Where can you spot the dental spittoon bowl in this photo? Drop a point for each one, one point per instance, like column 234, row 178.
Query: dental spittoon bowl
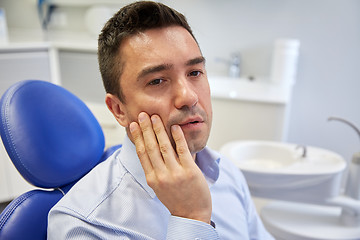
column 286, row 171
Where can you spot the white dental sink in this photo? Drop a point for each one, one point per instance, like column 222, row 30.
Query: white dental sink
column 280, row 171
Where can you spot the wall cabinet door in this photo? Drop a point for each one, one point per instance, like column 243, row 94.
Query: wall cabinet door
column 17, row 66
column 80, row 74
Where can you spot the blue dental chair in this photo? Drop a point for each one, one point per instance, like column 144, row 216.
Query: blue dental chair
column 53, row 140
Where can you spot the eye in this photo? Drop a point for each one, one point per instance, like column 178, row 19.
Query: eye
column 195, row 73
column 156, row 81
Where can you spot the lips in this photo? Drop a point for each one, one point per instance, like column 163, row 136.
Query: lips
column 191, row 121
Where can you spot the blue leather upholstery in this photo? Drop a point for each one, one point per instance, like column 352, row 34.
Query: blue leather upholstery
column 53, row 140
column 26, row 216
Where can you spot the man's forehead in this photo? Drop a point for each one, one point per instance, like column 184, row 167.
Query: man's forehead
column 172, row 33
column 152, row 43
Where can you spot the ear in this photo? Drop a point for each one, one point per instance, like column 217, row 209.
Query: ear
column 117, row 108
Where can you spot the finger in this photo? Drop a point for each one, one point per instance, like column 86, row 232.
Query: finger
column 140, row 147
column 182, row 149
column 165, row 146
column 151, row 143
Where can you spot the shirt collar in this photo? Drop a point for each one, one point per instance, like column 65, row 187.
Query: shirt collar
column 207, row 160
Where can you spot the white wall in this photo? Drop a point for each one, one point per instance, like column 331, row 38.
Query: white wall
column 328, row 74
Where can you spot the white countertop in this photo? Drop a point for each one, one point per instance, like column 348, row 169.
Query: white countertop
column 23, row 39
column 242, row 89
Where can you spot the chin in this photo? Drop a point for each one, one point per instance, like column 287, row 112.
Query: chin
column 196, row 142
column 195, row 147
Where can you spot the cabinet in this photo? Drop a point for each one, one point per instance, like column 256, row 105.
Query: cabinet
column 248, row 121
column 80, row 74
column 16, row 65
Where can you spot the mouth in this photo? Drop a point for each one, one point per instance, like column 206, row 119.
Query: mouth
column 192, row 121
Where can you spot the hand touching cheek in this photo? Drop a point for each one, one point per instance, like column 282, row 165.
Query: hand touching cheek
column 172, row 174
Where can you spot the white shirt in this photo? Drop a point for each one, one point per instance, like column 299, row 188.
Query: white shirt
column 113, row 201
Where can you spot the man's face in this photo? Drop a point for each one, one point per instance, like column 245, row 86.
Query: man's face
column 164, row 74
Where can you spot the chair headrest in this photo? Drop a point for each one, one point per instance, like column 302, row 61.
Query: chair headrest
column 50, row 135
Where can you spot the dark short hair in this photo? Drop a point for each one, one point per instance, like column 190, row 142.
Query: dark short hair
column 130, row 20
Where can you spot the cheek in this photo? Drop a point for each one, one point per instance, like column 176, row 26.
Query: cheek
column 205, row 99
column 150, row 106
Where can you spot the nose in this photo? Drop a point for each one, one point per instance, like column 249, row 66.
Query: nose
column 185, row 94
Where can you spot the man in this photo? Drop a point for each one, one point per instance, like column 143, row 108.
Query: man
column 163, row 183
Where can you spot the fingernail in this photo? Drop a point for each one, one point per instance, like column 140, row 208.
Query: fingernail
column 174, row 127
column 142, row 117
column 132, row 127
column 154, row 119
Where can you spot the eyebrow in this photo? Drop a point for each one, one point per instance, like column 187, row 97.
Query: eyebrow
column 162, row 67
column 154, row 69
column 195, row 61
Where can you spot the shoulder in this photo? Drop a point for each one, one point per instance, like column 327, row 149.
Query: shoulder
column 93, row 188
